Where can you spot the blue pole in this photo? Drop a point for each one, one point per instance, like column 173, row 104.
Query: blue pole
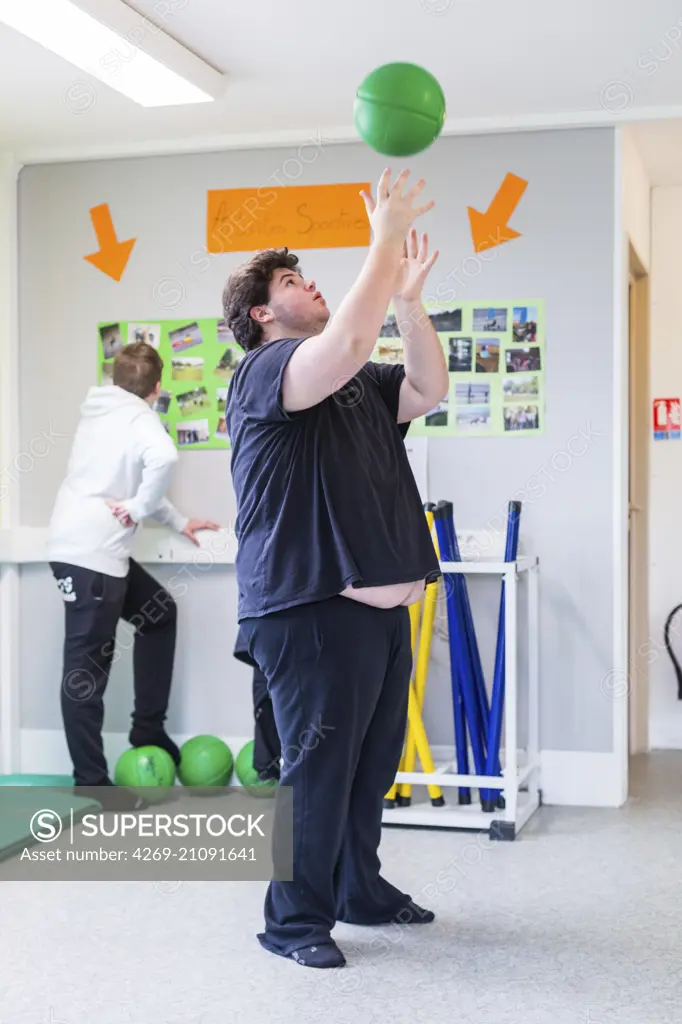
column 481, row 694
column 457, row 668
column 490, row 797
column 458, row 638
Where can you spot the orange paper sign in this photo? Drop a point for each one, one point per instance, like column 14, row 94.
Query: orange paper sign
column 298, row 216
column 491, row 228
column 112, row 256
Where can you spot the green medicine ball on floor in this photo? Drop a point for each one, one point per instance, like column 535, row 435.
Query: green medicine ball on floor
column 143, row 768
column 399, row 109
column 248, row 776
column 205, row 761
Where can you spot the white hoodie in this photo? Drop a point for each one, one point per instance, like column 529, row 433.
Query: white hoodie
column 120, row 451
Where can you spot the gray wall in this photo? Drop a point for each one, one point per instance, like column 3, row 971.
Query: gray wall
column 565, row 256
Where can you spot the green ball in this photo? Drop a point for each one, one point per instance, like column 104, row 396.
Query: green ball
column 205, row 761
column 143, row 767
column 399, row 109
column 248, row 776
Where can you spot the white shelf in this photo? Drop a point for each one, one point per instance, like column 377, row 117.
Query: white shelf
column 28, row 544
column 464, row 816
column 520, row 777
column 489, row 566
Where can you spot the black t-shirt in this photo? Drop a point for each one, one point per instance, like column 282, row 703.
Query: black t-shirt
column 325, row 497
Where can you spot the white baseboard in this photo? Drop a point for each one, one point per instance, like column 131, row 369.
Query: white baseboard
column 581, row 779
column 665, row 733
column 568, row 778
column 44, row 751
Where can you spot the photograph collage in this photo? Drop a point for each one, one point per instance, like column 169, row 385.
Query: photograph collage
column 495, row 357
column 496, row 361
column 199, row 358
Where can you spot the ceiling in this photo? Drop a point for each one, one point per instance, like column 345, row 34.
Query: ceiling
column 292, row 69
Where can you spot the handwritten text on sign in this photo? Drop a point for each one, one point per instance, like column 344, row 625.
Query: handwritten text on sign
column 298, row 216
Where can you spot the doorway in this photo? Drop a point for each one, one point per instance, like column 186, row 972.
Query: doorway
column 638, row 475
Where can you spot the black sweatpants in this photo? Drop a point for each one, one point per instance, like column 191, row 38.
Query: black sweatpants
column 94, row 602
column 338, row 674
column 267, row 749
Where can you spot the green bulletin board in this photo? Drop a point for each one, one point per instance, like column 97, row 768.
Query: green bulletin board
column 496, row 359
column 495, row 354
column 199, row 358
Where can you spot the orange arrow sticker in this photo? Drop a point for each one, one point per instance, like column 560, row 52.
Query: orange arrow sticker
column 113, row 255
column 490, row 228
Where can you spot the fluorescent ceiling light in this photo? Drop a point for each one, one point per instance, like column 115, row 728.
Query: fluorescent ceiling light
column 116, row 45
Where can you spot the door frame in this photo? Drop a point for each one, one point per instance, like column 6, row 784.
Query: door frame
column 638, row 500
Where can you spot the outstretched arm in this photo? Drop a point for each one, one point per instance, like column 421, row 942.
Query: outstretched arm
column 168, row 515
column 426, row 373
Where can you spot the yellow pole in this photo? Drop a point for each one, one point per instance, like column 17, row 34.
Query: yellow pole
column 430, row 600
column 422, row 665
column 414, row 632
column 422, row 742
column 417, row 740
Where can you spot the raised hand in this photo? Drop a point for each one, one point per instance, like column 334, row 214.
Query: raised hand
column 393, row 213
column 414, row 267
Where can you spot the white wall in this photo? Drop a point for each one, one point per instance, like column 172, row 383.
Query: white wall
column 565, row 255
column 665, row 496
column 636, row 199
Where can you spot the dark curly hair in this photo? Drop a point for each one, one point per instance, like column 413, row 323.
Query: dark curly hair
column 249, row 286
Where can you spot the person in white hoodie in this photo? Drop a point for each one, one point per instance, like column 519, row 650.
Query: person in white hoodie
column 119, row 469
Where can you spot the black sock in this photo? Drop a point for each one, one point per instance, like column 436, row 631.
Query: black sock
column 325, row 955
column 414, row 914
column 141, row 736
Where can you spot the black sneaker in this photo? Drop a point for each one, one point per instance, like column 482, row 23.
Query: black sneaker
column 413, row 914
column 328, row 955
column 324, row 954
column 141, row 737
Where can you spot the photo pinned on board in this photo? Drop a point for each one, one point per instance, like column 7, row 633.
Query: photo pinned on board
column 110, row 337
column 516, row 388
column 107, row 373
column 493, row 320
column 229, row 361
column 523, row 360
column 474, row 419
column 389, row 327
column 192, row 432
column 444, row 320
column 221, row 398
column 525, row 324
column 521, row 417
column 472, row 394
column 149, row 333
column 191, row 402
column 185, row 337
column 225, row 335
column 389, row 350
column 487, row 357
column 438, row 416
column 162, row 403
column 460, row 355
column 221, row 429
column 188, row 369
